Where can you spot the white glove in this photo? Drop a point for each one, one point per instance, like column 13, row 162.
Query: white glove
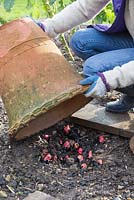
column 97, row 87
column 119, row 77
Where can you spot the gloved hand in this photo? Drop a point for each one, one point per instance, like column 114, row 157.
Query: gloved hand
column 119, row 77
column 98, row 85
column 40, row 24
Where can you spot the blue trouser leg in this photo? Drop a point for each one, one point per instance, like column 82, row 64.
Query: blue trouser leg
column 90, row 42
column 102, row 51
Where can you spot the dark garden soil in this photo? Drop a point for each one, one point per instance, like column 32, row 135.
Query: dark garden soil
column 68, row 162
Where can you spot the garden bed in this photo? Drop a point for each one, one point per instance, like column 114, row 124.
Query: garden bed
column 108, row 174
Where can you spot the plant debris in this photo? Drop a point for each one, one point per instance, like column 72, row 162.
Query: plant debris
column 67, row 146
column 23, row 169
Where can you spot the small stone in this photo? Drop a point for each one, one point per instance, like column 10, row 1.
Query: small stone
column 2, row 180
column 80, row 158
column 3, row 194
column 126, row 183
column 13, row 184
column 40, row 196
column 132, row 195
column 8, row 178
column 76, row 145
column 117, row 198
column 12, row 194
column 104, row 198
column 40, row 186
column 70, row 161
column 120, row 187
column 58, row 170
column 127, row 193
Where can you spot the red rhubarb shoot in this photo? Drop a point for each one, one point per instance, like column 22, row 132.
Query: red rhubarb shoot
column 80, row 150
column 101, row 139
column 84, row 166
column 100, row 161
column 66, row 144
column 47, row 157
column 67, row 129
column 90, row 154
column 46, row 136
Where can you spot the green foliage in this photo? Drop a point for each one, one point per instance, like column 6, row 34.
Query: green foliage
column 12, row 9
column 106, row 16
column 8, row 4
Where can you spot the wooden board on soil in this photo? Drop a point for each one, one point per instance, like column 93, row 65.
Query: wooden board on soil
column 94, row 116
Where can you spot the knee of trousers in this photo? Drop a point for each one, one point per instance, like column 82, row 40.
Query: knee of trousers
column 76, row 42
column 91, row 66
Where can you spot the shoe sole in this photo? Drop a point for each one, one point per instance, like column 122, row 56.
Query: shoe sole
column 116, row 111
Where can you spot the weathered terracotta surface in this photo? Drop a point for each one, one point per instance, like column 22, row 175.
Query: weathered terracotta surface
column 34, row 79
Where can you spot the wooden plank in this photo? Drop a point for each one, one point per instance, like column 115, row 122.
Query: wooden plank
column 95, row 116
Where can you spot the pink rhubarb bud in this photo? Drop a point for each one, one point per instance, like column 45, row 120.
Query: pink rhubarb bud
column 101, row 139
column 90, row 154
column 84, row 166
column 67, row 157
column 46, row 136
column 66, row 144
column 100, row 161
column 55, row 158
column 61, row 142
column 47, row 157
column 67, row 129
column 61, row 158
column 80, row 150
column 80, row 158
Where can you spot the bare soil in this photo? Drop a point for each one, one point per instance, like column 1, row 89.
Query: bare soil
column 23, row 171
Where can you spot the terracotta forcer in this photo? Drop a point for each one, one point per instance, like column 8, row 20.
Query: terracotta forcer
column 37, row 85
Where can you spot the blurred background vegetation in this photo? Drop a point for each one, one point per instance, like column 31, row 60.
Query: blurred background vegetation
column 38, row 9
column 12, row 9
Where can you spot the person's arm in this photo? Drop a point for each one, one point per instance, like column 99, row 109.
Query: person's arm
column 119, row 77
column 76, row 13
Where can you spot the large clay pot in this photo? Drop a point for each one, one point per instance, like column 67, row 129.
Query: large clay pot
column 37, row 85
